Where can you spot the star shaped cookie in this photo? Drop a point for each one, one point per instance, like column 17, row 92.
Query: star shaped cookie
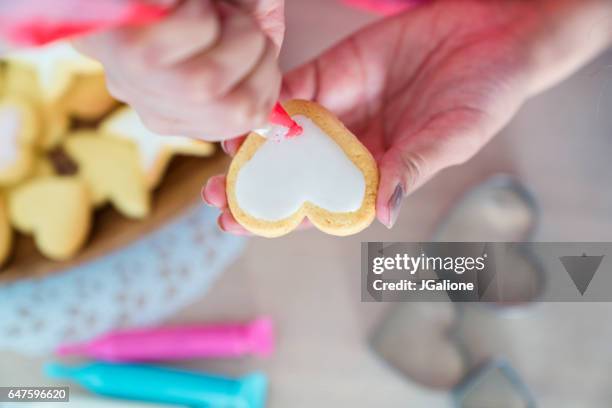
column 55, row 66
column 154, row 150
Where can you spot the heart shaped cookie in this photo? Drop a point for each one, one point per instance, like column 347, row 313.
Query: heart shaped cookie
column 154, row 150
column 19, row 131
column 56, row 210
column 110, row 169
column 324, row 174
column 6, row 234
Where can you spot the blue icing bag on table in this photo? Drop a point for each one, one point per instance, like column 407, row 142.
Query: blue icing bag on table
column 165, row 385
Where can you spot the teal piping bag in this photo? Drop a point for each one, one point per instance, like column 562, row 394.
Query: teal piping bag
column 164, row 385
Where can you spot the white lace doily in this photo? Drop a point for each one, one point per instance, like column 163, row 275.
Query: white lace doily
column 139, row 284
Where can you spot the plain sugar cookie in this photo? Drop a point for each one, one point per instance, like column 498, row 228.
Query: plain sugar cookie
column 110, row 168
column 324, row 174
column 56, row 211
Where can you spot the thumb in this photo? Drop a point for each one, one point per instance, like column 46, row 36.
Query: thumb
column 414, row 159
column 401, row 172
column 335, row 80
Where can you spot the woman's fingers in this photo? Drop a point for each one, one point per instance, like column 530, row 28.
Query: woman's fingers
column 182, row 107
column 219, row 85
column 160, row 43
column 231, row 146
column 237, row 53
column 228, row 223
column 165, row 43
column 270, row 15
column 214, row 193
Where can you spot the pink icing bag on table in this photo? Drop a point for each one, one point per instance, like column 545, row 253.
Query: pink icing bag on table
column 177, row 343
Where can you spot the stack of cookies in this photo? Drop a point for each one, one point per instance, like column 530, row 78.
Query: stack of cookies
column 67, row 148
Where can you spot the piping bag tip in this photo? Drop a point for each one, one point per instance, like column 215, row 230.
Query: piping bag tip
column 59, row 371
column 295, row 130
column 261, row 336
column 280, row 117
column 254, row 389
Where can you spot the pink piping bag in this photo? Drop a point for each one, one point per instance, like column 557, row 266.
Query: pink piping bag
column 178, row 343
column 38, row 22
column 281, row 127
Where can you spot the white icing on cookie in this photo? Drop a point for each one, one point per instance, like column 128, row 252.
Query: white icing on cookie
column 274, row 132
column 10, row 125
column 312, row 167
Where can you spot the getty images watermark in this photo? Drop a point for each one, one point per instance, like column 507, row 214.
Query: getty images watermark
column 486, row 271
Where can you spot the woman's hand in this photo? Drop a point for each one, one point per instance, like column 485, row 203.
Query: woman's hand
column 209, row 70
column 424, row 90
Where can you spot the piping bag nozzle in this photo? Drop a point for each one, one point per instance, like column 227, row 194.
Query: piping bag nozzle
column 281, row 127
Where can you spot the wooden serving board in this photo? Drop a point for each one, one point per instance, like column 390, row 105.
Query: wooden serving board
column 179, row 190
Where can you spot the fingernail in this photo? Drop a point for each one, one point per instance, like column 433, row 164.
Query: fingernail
column 220, row 224
column 224, row 146
column 231, row 228
column 203, row 195
column 395, row 204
